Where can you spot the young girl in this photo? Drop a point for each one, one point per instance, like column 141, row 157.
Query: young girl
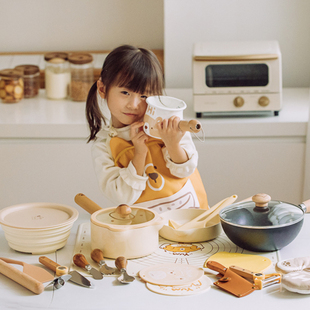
column 131, row 167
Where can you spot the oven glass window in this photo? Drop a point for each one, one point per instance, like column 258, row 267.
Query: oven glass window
column 240, row 75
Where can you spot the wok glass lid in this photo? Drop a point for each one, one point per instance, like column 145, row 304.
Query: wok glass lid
column 274, row 213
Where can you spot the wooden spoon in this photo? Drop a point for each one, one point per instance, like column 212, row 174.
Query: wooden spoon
column 201, row 220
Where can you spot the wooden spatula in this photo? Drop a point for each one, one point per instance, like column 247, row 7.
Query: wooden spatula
column 21, row 278
column 35, row 272
column 208, row 215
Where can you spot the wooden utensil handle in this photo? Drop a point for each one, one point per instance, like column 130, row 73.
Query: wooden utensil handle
column 243, row 272
column 192, row 125
column 12, row 261
column 80, row 260
column 216, row 266
column 86, row 203
column 21, row 278
column 48, row 263
column 307, row 205
column 97, row 255
column 121, row 262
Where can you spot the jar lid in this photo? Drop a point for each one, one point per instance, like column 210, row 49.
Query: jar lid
column 80, row 58
column 28, row 69
column 49, row 56
column 11, row 73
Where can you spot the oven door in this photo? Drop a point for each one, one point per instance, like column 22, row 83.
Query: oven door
column 212, row 77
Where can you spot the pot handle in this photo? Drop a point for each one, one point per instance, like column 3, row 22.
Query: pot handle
column 86, row 203
column 305, row 206
column 191, row 126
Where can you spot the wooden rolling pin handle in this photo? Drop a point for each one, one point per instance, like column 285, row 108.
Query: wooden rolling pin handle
column 97, row 255
column 80, row 260
column 192, row 125
column 21, row 278
column 86, row 203
column 48, row 263
column 121, row 262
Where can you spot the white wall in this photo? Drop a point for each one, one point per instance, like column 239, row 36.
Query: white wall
column 48, row 25
column 187, row 22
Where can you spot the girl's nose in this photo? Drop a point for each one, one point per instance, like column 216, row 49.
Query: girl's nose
column 134, row 102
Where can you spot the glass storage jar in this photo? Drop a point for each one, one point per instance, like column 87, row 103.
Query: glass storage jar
column 57, row 75
column 82, row 75
column 31, row 74
column 11, row 86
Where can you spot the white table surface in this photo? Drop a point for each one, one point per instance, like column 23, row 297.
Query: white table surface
column 109, row 294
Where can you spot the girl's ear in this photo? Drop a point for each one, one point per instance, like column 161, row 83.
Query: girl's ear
column 101, row 89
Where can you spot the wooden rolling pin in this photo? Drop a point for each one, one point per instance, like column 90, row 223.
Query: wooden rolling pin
column 192, row 125
column 21, row 278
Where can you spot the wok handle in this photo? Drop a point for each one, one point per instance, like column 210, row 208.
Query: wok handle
column 86, row 203
column 191, row 126
column 306, row 206
column 21, row 278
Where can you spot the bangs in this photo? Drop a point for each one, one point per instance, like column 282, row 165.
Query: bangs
column 140, row 77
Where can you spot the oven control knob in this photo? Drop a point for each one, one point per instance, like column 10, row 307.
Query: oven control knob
column 238, row 102
column 263, row 101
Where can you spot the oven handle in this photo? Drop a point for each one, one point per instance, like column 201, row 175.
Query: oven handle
column 237, row 57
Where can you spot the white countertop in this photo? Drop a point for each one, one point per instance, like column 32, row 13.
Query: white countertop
column 109, row 294
column 42, row 118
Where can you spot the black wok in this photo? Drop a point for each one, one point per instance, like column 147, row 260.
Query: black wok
column 263, row 225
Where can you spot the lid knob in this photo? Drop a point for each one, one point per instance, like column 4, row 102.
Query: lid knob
column 261, row 200
column 123, row 211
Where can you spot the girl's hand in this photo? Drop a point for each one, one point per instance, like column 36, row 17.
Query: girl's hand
column 171, row 135
column 169, row 131
column 139, row 139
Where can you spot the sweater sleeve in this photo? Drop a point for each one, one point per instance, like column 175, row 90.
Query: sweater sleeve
column 185, row 169
column 120, row 185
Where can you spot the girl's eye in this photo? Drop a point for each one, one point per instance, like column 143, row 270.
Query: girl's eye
column 125, row 92
column 143, row 96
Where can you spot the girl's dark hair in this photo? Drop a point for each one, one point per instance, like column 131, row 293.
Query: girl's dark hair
column 137, row 69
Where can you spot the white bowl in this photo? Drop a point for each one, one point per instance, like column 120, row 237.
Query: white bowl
column 182, row 216
column 37, row 228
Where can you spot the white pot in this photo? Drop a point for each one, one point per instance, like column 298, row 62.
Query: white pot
column 39, row 227
column 135, row 237
column 160, row 108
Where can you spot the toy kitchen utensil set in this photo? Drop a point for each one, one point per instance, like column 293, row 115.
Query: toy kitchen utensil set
column 125, row 225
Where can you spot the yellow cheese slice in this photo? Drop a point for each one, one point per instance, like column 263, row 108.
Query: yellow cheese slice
column 254, row 263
